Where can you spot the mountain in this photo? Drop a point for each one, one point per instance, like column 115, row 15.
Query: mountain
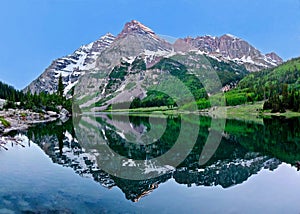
column 71, row 67
column 229, row 47
column 117, row 69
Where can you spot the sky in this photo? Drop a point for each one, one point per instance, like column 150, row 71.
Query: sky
column 35, row 32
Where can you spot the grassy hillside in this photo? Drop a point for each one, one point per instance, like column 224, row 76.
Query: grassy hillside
column 287, row 73
column 279, row 85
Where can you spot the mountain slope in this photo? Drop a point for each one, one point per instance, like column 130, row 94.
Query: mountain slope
column 287, row 73
column 71, row 67
column 177, row 76
column 279, row 85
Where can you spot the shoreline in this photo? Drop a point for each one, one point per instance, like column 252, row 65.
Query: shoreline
column 246, row 111
column 19, row 120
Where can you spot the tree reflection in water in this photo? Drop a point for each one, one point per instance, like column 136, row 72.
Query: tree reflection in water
column 245, row 149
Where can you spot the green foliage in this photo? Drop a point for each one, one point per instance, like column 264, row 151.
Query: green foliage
column 266, row 81
column 235, row 97
column 286, row 73
column 279, row 85
column 9, row 104
column 119, row 72
column 4, row 122
column 36, row 102
column 157, row 98
column 228, row 72
column 280, row 102
column 138, row 65
column 153, row 99
column 177, row 80
column 117, row 75
column 10, row 93
column 60, row 87
column 201, row 104
column 179, row 71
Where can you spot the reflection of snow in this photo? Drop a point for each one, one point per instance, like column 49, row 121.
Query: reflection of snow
column 69, row 137
column 129, row 162
column 74, row 156
column 150, row 167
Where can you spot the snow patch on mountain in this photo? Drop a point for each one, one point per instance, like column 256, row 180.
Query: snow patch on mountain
column 70, row 67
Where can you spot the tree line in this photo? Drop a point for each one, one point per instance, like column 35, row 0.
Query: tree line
column 36, row 102
column 282, row 100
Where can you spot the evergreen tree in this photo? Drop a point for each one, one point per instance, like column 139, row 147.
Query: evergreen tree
column 285, row 96
column 60, row 88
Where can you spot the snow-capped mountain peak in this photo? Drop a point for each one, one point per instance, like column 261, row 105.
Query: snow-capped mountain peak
column 71, row 67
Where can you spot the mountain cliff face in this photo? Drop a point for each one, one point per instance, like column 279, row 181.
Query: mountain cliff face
column 229, row 47
column 105, row 67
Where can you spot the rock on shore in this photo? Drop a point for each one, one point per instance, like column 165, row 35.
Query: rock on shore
column 22, row 119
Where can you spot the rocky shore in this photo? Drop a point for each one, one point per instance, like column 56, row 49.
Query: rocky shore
column 15, row 119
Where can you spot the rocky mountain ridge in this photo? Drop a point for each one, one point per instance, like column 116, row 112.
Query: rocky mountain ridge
column 136, row 40
column 229, row 47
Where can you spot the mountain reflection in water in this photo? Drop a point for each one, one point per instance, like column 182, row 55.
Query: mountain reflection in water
column 245, row 149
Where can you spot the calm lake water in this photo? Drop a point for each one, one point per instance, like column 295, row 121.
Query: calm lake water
column 78, row 167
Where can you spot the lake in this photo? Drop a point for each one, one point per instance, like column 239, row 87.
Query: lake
column 153, row 164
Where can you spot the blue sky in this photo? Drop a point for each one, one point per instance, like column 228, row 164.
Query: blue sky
column 35, row 32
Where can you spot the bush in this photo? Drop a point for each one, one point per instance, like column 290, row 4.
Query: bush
column 235, row 99
column 4, row 122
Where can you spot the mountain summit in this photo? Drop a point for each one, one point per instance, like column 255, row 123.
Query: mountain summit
column 134, row 39
column 138, row 34
column 135, row 27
